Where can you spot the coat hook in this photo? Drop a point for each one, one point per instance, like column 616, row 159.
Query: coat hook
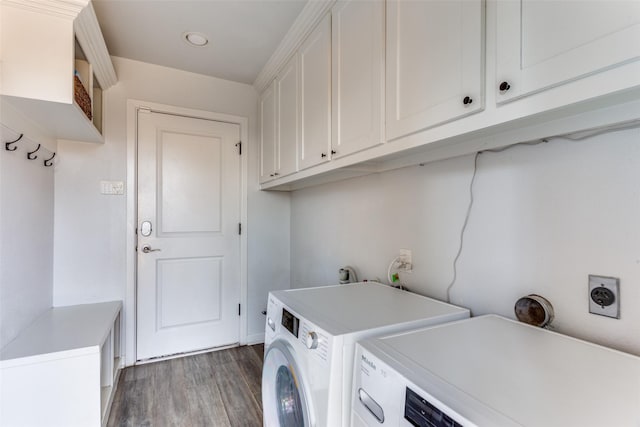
column 7, row 145
column 48, row 162
column 30, row 155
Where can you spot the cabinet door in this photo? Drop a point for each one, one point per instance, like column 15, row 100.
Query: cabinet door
column 434, row 63
column 357, row 75
column 287, row 87
column 541, row 44
column 268, row 133
column 315, row 86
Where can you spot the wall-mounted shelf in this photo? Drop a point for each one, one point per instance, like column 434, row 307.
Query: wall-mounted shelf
column 38, row 72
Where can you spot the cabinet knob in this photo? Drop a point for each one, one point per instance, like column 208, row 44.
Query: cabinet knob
column 504, row 86
column 323, row 155
column 467, row 100
column 270, row 174
column 333, row 151
column 276, row 174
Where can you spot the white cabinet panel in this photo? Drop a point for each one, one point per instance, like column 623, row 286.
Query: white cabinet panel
column 38, row 66
column 541, row 44
column 315, row 73
column 268, row 133
column 357, row 75
column 288, row 114
column 434, row 63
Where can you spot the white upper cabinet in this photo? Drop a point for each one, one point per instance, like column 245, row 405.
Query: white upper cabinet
column 357, row 75
column 389, row 83
column 434, row 63
column 288, row 114
column 38, row 52
column 315, row 91
column 268, row 136
column 542, row 44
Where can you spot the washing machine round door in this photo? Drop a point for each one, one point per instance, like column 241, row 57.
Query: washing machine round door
column 284, row 397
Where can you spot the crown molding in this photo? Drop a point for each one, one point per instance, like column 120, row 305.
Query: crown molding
column 64, row 8
column 309, row 17
column 92, row 42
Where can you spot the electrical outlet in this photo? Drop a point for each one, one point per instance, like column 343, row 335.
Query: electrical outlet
column 404, row 262
column 604, row 296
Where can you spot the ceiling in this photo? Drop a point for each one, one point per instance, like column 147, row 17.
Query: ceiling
column 242, row 33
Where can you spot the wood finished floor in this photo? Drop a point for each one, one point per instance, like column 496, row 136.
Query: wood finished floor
column 221, row 388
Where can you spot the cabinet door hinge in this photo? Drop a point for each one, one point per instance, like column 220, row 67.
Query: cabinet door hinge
column 239, row 145
column 239, row 228
column 238, row 309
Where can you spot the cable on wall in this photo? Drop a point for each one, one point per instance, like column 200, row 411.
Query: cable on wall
column 576, row 136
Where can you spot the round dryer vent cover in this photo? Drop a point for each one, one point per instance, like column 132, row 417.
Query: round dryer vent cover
column 534, row 310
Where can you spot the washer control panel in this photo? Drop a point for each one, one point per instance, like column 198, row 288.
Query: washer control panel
column 286, row 323
column 315, row 340
column 380, row 394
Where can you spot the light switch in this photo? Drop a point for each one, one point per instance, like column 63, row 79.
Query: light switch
column 112, row 188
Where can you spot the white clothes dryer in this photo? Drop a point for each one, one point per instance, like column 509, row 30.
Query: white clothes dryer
column 489, row 371
column 310, row 341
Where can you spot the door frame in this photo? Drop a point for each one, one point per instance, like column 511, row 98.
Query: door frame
column 130, row 298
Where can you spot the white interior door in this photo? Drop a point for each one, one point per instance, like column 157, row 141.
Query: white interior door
column 188, row 287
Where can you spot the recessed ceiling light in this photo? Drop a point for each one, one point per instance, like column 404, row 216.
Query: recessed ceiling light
column 195, row 39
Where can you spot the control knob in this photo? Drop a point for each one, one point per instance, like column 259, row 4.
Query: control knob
column 312, row 340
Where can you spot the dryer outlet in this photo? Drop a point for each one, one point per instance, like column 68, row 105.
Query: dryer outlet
column 604, row 296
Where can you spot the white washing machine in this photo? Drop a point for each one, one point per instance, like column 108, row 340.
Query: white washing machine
column 310, row 342
column 491, row 371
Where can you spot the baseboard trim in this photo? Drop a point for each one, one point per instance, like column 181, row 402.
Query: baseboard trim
column 255, row 338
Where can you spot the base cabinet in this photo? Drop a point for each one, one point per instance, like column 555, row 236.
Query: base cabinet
column 63, row 369
column 544, row 44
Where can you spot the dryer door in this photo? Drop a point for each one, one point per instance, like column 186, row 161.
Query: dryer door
column 284, row 396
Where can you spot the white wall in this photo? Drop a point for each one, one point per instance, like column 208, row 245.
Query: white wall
column 90, row 259
column 26, row 227
column 544, row 218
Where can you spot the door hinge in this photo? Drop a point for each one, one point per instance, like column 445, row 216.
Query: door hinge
column 239, row 228
column 238, row 309
column 239, row 145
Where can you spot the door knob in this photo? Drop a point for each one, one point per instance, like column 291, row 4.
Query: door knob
column 146, row 249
